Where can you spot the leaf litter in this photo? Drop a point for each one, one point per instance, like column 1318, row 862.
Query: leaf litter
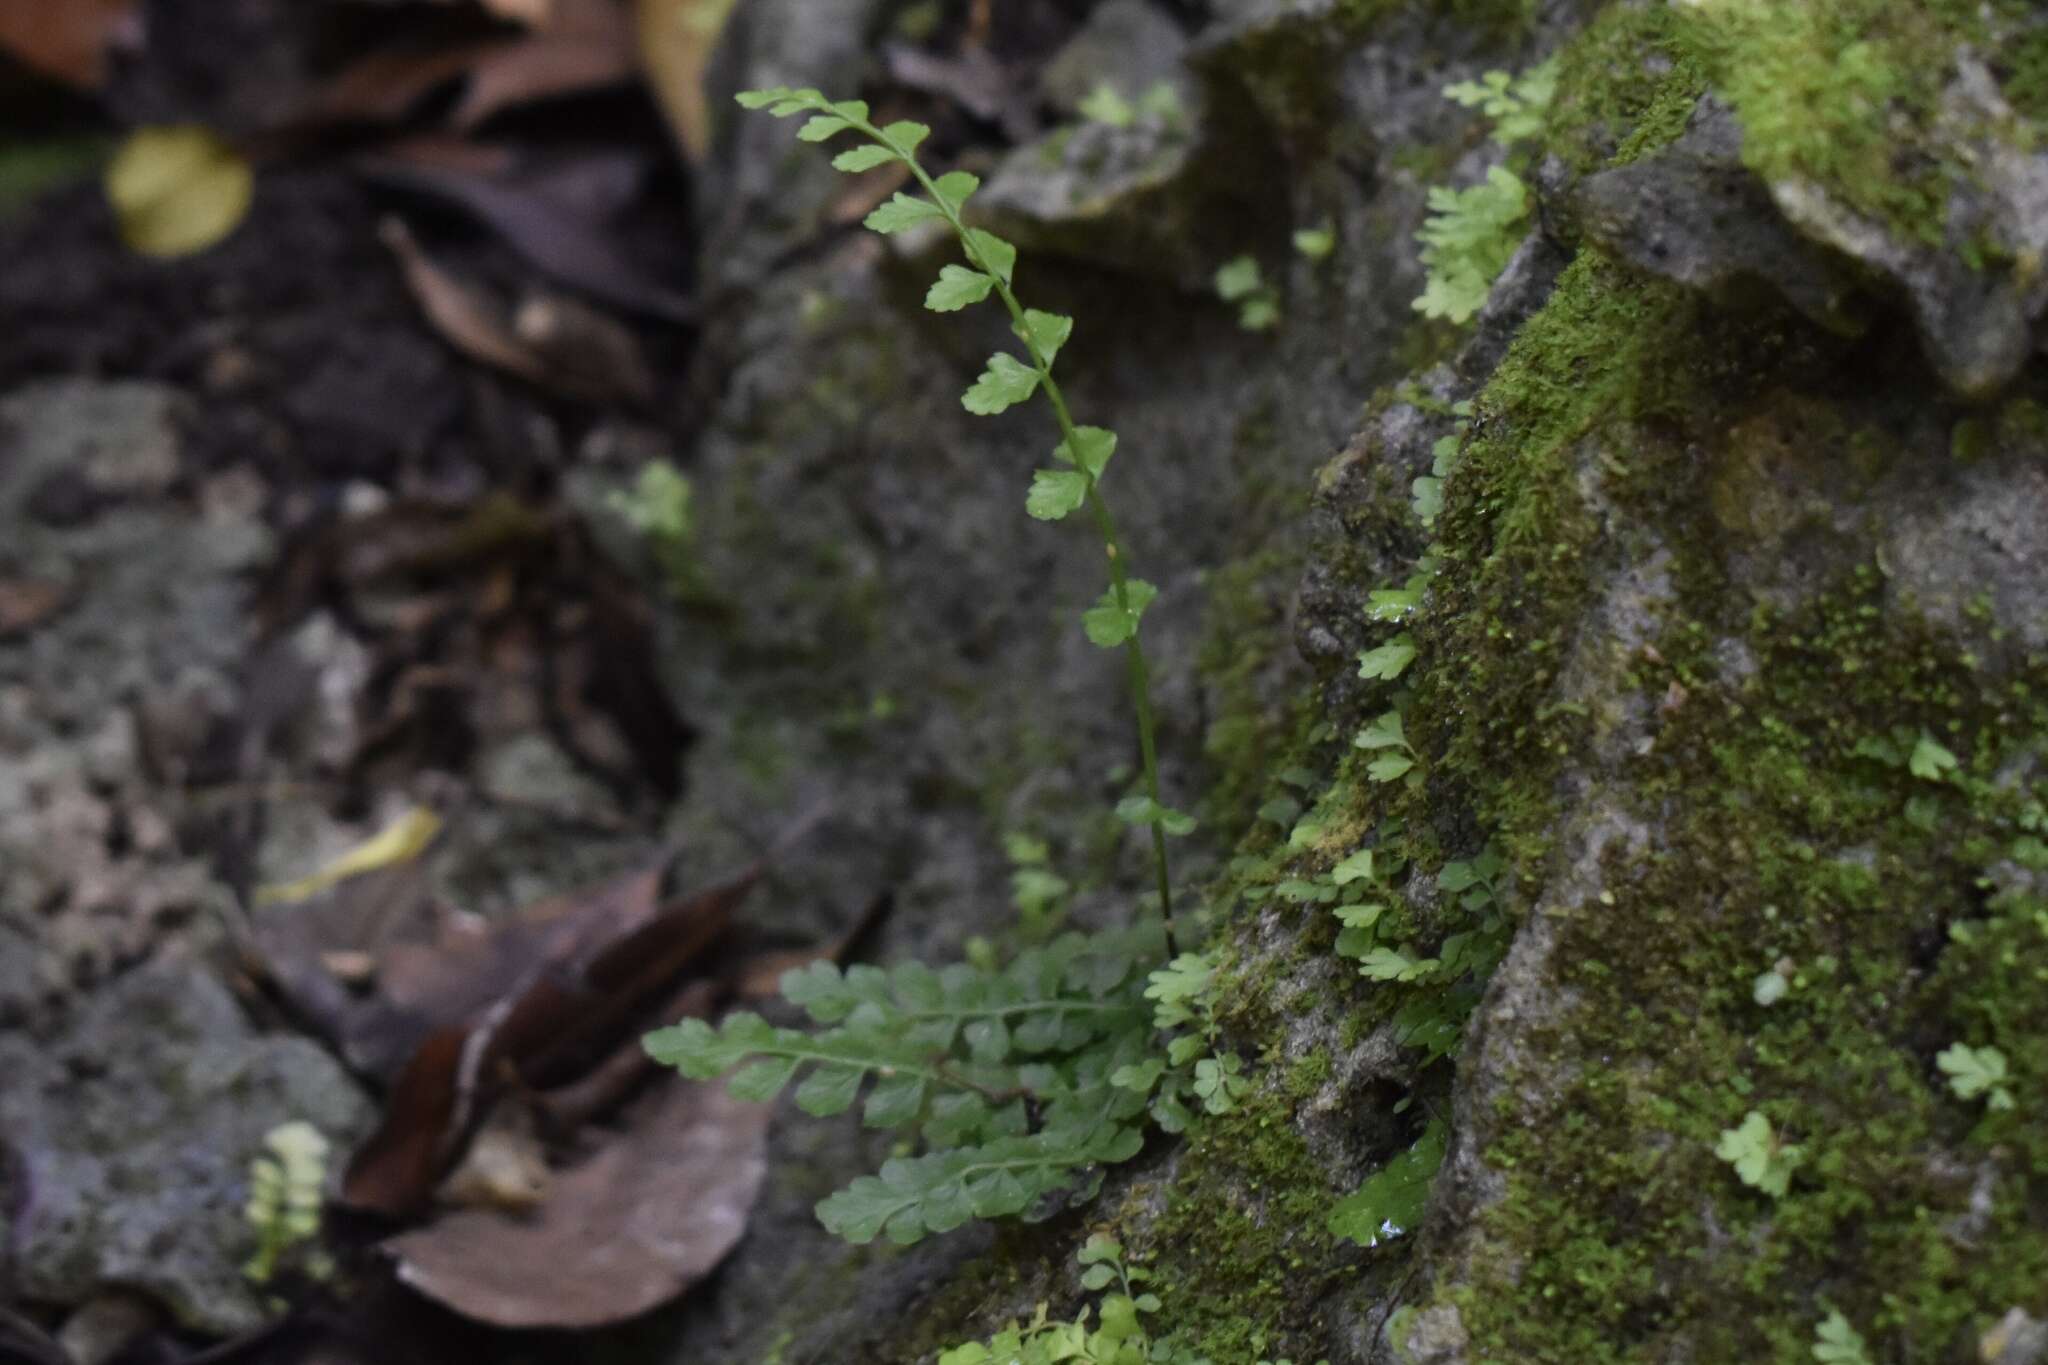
column 501, row 1045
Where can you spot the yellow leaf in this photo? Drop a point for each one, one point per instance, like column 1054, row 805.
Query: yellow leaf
column 676, row 38
column 400, row 841
column 177, row 190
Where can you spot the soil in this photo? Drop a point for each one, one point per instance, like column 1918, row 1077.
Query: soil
column 312, row 378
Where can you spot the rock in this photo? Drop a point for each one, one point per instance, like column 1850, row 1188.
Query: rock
column 2018, row 1339
column 107, row 1326
column 1135, row 197
column 153, row 613
column 759, row 200
column 1978, row 296
column 1695, row 213
column 133, row 1129
column 1129, row 45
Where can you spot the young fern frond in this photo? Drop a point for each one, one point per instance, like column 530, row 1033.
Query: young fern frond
column 1082, row 453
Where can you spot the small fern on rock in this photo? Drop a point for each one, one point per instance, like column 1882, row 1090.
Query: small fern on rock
column 1016, row 1083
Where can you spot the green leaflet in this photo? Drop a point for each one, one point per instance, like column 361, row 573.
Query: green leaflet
column 830, row 1089
column 1395, row 964
column 1177, row 990
column 1092, row 448
column 1837, row 1342
column 1974, row 1071
column 1315, row 244
column 1005, row 383
column 904, row 136
column 1237, row 278
column 1383, row 733
column 1761, row 1158
column 956, row 288
column 1929, row 761
column 1391, row 1201
column 864, row 158
column 1388, row 767
column 1045, row 333
column 1143, row 810
column 822, row 127
column 902, row 211
column 1354, row 868
column 954, row 187
column 1387, row 662
column 992, row 253
column 913, row 1196
column 1109, row 623
column 1391, row 604
column 1055, row 493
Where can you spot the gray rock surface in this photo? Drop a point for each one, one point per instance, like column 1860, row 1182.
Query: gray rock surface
column 131, row 1131
column 104, row 702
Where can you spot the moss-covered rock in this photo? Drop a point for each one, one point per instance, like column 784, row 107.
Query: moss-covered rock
column 1730, row 650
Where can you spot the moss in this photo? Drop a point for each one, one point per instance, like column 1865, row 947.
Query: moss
column 1628, row 416
column 1847, row 93
column 1240, row 1254
column 1516, row 533
column 1498, row 17
column 1609, row 78
column 1780, row 843
column 1246, row 649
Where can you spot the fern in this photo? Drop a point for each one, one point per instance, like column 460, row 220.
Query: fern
column 1468, row 240
column 1472, row 233
column 1018, row 1078
column 1021, row 1081
column 1391, row 1201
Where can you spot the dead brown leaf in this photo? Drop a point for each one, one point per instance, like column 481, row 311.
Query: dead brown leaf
column 569, row 46
column 24, row 1342
column 760, row 976
column 69, row 39
column 490, row 617
column 545, row 65
column 532, row 13
column 466, row 318
column 623, row 1231
column 675, row 40
column 556, row 238
column 586, row 351
column 26, row 603
column 552, row 342
column 389, row 84
column 427, row 971
column 574, row 989
column 566, row 1108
